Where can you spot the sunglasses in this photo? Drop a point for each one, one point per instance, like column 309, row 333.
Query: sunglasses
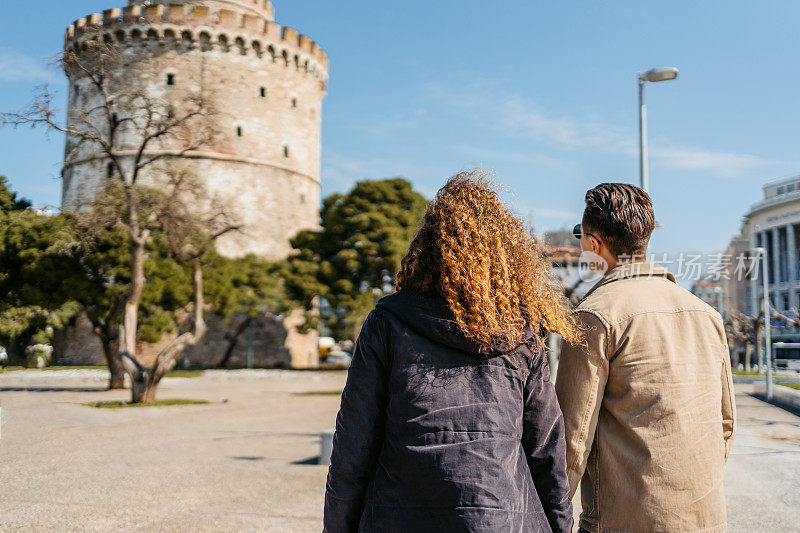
column 577, row 232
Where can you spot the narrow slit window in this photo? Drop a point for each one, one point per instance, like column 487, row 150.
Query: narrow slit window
column 238, row 131
column 110, row 171
column 285, row 151
column 263, row 92
column 294, row 102
column 170, row 79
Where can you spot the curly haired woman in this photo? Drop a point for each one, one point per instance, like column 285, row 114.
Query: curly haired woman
column 449, row 421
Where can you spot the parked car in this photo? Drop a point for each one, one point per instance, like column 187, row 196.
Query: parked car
column 339, row 358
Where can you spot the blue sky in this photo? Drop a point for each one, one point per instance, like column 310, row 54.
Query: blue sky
column 541, row 93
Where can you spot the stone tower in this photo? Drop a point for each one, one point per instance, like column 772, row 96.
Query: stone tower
column 269, row 82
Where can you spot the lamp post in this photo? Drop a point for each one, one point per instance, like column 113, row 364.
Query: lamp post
column 652, row 75
column 767, row 322
column 720, row 297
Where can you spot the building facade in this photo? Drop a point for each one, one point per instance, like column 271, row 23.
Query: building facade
column 267, row 82
column 737, row 282
column 774, row 224
column 711, row 292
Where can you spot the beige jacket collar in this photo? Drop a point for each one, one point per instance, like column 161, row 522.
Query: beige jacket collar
column 632, row 270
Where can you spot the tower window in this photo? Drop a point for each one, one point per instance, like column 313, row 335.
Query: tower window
column 238, row 131
column 110, row 170
column 294, row 102
column 170, row 79
column 285, row 151
column 263, row 92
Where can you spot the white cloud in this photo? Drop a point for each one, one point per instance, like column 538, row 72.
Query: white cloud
column 522, row 118
column 481, row 154
column 18, row 67
column 340, row 172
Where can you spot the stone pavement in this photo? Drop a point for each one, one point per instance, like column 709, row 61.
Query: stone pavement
column 246, row 464
column 242, row 465
column 762, row 479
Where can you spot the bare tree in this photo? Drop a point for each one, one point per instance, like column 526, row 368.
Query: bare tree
column 191, row 221
column 132, row 128
column 744, row 331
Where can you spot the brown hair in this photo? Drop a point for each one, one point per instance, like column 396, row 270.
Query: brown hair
column 623, row 216
column 477, row 257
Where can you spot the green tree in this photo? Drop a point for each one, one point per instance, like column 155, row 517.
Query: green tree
column 50, row 271
column 8, row 199
column 357, row 252
column 99, row 276
column 29, row 308
column 31, row 297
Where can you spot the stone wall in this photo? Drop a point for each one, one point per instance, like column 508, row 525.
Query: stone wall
column 275, row 344
column 268, row 82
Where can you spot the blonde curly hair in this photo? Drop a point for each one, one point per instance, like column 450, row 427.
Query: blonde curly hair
column 476, row 256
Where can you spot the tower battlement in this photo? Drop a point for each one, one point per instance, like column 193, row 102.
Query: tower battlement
column 258, row 7
column 267, row 83
column 205, row 27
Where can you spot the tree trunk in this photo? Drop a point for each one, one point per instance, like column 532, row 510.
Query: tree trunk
column 143, row 390
column 130, row 316
column 748, row 356
column 117, row 378
column 145, row 382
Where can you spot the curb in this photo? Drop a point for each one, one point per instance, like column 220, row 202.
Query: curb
column 783, row 396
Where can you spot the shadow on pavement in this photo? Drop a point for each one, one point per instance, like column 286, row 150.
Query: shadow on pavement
column 785, row 407
column 310, row 461
column 43, row 388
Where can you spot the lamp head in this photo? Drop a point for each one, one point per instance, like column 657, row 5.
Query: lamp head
column 659, row 74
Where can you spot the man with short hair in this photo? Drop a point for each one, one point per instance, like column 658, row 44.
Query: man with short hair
column 648, row 400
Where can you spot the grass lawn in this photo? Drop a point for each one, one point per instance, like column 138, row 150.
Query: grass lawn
column 158, row 403
column 737, row 372
column 795, row 386
column 319, row 393
column 183, row 373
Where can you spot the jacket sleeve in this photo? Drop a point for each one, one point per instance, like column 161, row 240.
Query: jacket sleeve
column 728, row 400
column 580, row 384
column 543, row 443
column 360, row 427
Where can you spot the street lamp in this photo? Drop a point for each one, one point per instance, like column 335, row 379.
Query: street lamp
column 767, row 322
column 720, row 296
column 652, row 75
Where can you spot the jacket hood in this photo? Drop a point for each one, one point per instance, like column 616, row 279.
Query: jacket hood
column 433, row 320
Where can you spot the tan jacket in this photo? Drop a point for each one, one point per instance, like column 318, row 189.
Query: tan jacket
column 648, row 406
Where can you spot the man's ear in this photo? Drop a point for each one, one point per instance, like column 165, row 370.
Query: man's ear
column 596, row 246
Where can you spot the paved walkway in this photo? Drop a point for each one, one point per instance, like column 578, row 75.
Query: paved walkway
column 762, row 479
column 242, row 465
column 246, row 464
